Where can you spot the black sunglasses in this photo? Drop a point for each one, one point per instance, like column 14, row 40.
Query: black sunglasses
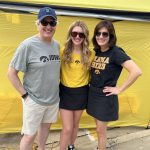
column 74, row 34
column 51, row 23
column 104, row 34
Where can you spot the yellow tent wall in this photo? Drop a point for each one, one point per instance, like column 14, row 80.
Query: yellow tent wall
column 129, row 5
column 132, row 36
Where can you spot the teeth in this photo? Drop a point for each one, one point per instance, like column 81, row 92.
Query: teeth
column 48, row 31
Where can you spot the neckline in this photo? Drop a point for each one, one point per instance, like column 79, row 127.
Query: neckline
column 77, row 52
column 106, row 50
column 44, row 42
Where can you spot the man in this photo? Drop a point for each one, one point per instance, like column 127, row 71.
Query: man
column 38, row 58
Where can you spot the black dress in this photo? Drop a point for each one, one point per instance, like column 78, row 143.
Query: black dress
column 105, row 71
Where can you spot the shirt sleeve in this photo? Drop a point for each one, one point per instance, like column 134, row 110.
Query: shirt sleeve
column 20, row 58
column 61, row 52
column 120, row 56
column 92, row 55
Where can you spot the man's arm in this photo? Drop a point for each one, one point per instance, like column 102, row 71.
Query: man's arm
column 14, row 79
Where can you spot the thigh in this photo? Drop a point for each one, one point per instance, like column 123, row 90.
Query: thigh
column 67, row 118
column 32, row 116
column 77, row 115
column 51, row 113
column 101, row 126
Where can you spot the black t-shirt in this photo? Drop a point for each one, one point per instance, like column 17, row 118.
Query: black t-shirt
column 106, row 67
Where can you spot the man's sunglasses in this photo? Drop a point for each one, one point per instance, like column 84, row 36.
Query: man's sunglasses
column 74, row 34
column 104, row 34
column 51, row 23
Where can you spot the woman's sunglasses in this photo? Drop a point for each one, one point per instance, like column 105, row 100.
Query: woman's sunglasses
column 74, row 34
column 51, row 23
column 104, row 34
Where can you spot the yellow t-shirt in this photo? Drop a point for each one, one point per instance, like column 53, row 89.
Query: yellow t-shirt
column 75, row 75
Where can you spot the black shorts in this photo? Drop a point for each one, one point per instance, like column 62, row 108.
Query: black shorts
column 73, row 98
column 102, row 107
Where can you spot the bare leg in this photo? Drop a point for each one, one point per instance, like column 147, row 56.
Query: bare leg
column 101, row 133
column 27, row 142
column 42, row 135
column 67, row 123
column 76, row 118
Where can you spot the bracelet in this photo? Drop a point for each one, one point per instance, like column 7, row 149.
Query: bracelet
column 25, row 95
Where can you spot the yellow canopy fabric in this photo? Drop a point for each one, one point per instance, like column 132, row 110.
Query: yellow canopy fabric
column 133, row 37
column 128, row 5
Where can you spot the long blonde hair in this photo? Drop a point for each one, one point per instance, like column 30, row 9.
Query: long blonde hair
column 68, row 48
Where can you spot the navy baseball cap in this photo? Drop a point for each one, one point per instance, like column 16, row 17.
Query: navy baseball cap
column 45, row 12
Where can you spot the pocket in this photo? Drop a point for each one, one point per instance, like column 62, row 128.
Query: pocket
column 25, row 100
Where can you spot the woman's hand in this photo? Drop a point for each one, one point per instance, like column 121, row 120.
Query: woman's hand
column 111, row 90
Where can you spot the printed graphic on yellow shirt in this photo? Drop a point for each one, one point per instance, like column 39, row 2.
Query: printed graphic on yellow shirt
column 99, row 63
column 77, row 61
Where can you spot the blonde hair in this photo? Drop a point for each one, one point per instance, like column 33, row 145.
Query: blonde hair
column 68, row 48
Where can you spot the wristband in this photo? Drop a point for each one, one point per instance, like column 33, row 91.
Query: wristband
column 25, row 95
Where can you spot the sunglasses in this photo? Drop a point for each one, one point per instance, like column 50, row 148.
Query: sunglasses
column 51, row 23
column 74, row 34
column 104, row 34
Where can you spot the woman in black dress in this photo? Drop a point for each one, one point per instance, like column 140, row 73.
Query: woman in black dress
column 105, row 71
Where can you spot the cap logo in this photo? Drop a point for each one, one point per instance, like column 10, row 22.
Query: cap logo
column 47, row 10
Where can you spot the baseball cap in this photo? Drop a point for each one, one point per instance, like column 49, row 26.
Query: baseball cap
column 45, row 12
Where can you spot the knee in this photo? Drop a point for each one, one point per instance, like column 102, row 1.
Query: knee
column 101, row 131
column 28, row 139
column 75, row 126
column 98, row 129
column 67, row 130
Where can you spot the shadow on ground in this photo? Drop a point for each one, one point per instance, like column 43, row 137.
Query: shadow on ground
column 123, row 138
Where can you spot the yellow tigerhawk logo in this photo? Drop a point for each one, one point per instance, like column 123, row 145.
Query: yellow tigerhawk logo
column 99, row 63
column 97, row 71
column 77, row 61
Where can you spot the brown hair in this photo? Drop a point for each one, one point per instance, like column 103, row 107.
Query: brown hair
column 68, row 49
column 112, row 35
